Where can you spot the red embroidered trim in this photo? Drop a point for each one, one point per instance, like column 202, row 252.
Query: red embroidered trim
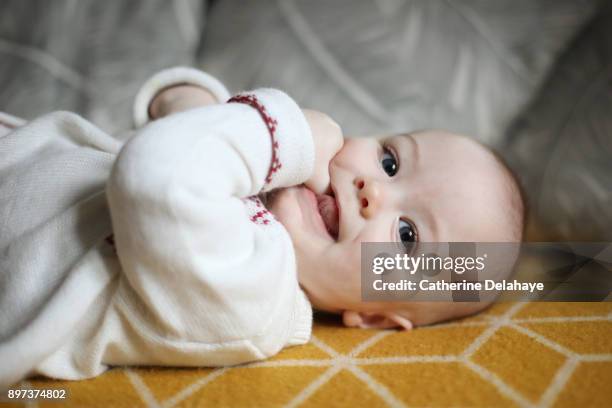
column 258, row 214
column 271, row 124
column 255, row 200
column 261, row 214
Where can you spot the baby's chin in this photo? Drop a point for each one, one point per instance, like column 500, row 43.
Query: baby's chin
column 283, row 204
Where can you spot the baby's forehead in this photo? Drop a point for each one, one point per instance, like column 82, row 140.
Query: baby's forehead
column 462, row 184
column 458, row 155
column 444, row 141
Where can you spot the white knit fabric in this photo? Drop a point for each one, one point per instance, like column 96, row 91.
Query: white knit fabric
column 195, row 283
column 170, row 77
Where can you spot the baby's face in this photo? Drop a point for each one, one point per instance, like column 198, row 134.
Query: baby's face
column 429, row 186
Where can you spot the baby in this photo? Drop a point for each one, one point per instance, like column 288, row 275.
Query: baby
column 428, row 186
column 231, row 221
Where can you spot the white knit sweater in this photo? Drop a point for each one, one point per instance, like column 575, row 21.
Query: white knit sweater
column 199, row 274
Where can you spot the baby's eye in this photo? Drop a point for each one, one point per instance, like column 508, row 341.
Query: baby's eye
column 389, row 162
column 407, row 232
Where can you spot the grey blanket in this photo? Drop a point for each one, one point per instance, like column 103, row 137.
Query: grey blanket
column 478, row 67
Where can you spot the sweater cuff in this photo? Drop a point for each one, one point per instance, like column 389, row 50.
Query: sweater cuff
column 302, row 328
column 292, row 144
column 171, row 77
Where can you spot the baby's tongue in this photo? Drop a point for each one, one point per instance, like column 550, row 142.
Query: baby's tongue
column 329, row 212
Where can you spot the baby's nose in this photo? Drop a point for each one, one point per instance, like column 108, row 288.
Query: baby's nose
column 369, row 196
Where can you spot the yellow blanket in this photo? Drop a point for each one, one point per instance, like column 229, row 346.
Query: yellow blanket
column 514, row 354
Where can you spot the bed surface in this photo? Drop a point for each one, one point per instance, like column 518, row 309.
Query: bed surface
column 515, row 354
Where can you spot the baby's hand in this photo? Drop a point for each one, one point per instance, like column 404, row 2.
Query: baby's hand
column 179, row 98
column 328, row 140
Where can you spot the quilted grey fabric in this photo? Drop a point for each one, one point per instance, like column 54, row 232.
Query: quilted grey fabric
column 395, row 65
column 562, row 144
column 90, row 56
column 377, row 66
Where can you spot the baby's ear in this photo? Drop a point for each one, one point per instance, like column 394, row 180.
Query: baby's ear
column 375, row 320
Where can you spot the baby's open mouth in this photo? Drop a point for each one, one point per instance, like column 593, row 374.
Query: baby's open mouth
column 328, row 208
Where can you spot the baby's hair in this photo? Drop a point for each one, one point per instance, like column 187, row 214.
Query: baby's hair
column 440, row 311
column 519, row 203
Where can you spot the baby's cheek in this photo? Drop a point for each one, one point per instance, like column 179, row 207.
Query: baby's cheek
column 284, row 206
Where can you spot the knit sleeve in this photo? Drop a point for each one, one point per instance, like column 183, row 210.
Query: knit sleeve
column 172, row 77
column 199, row 268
